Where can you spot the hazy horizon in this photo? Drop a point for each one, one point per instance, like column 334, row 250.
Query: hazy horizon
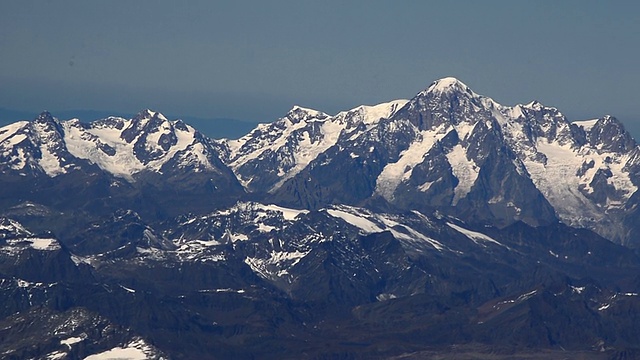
column 254, row 60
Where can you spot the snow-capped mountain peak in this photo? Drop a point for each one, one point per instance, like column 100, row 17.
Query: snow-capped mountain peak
column 568, row 163
column 148, row 114
column 36, row 146
column 445, row 101
column 44, row 117
column 298, row 113
column 448, row 85
column 608, row 134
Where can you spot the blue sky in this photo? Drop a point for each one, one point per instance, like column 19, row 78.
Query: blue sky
column 255, row 59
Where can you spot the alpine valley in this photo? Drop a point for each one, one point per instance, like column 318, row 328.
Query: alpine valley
column 444, row 226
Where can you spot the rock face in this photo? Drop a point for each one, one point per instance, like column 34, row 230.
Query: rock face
column 443, row 224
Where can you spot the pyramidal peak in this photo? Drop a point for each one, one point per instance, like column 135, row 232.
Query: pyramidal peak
column 447, row 85
column 148, row 114
column 44, row 117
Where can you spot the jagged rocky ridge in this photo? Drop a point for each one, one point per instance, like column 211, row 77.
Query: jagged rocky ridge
column 439, row 224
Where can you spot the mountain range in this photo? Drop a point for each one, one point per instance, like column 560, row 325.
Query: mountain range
column 214, row 127
column 443, row 224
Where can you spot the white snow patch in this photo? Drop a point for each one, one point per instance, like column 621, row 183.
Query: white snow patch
column 409, row 234
column 377, row 223
column 137, row 350
column 9, row 132
column 476, row 237
column 20, row 161
column 426, row 186
column 44, row 244
column 241, row 291
column 23, row 283
column 127, row 289
column 526, row 295
column 119, row 353
column 464, row 170
column 586, row 124
column 287, row 213
column 520, row 298
column 35, row 243
column 367, row 226
column 50, row 163
column 14, row 226
column 238, row 237
column 70, row 341
column 578, row 290
column 385, row 296
column 80, row 260
column 276, row 265
column 280, row 256
column 197, row 250
column 464, row 129
column 264, row 228
column 56, row 355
